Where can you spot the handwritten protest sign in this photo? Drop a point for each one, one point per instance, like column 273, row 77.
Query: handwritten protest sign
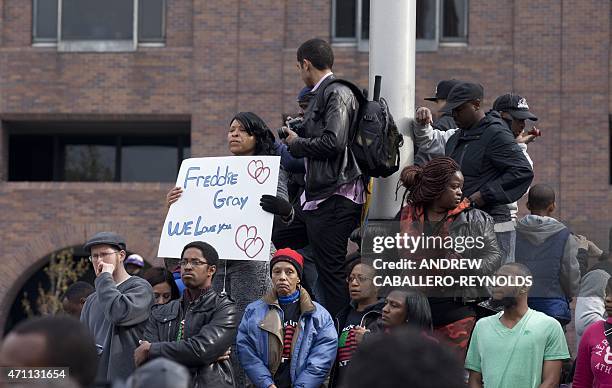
column 220, row 205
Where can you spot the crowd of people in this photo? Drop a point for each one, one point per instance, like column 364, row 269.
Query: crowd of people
column 315, row 315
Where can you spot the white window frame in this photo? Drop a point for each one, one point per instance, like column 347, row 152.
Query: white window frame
column 126, row 45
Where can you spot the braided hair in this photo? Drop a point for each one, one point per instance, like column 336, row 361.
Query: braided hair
column 425, row 184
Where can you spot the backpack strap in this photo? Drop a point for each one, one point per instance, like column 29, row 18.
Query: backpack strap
column 358, row 93
column 320, row 98
column 362, row 101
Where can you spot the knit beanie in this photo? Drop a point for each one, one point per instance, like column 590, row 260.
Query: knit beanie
column 290, row 256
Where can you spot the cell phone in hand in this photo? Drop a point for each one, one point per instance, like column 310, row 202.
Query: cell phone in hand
column 535, row 132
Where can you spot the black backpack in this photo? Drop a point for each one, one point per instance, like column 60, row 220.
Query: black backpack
column 377, row 141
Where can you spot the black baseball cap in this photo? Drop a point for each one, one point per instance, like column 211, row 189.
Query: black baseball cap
column 462, row 93
column 515, row 105
column 105, row 238
column 442, row 89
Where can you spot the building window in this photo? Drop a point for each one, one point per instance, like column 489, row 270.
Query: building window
column 87, row 159
column 351, row 22
column 151, row 21
column 437, row 21
column 98, row 25
column 345, row 19
column 140, row 152
column 453, row 21
column 44, row 15
column 441, row 21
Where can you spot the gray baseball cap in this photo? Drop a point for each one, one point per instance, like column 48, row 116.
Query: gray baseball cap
column 105, row 238
column 462, row 93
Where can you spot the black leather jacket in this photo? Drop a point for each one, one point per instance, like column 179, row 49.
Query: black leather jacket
column 328, row 130
column 471, row 223
column 210, row 326
column 476, row 223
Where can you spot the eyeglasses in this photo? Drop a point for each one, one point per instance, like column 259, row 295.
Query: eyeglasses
column 102, row 255
column 360, row 279
column 193, row 262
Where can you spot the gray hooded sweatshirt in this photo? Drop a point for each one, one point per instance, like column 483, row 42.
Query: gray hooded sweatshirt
column 116, row 316
column 590, row 305
column 537, row 229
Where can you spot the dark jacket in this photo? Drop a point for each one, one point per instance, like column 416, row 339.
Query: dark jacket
column 210, row 324
column 491, row 162
column 288, row 162
column 547, row 247
column 472, row 223
column 369, row 320
column 372, row 313
column 329, row 123
column 444, row 122
column 476, row 223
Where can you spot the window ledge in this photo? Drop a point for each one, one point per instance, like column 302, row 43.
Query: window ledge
column 96, row 46
column 70, row 186
column 44, row 44
column 55, row 45
column 362, row 46
column 453, row 44
column 345, row 44
column 152, row 44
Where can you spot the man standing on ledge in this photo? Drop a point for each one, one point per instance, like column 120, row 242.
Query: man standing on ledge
column 444, row 121
column 495, row 168
column 117, row 312
column 334, row 192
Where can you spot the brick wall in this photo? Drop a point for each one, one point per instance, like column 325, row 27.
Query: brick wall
column 226, row 56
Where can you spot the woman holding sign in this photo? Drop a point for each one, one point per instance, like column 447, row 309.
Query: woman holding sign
column 247, row 281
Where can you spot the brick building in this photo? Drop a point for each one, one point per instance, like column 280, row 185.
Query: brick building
column 159, row 81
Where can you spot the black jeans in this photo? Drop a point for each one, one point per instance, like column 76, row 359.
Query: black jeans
column 295, row 236
column 327, row 230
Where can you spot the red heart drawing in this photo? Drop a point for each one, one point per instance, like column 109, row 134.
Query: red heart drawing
column 258, row 171
column 253, row 247
column 244, row 233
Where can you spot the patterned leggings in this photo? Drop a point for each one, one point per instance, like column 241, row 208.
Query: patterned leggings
column 245, row 282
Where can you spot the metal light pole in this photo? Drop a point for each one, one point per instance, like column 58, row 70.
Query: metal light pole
column 392, row 55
